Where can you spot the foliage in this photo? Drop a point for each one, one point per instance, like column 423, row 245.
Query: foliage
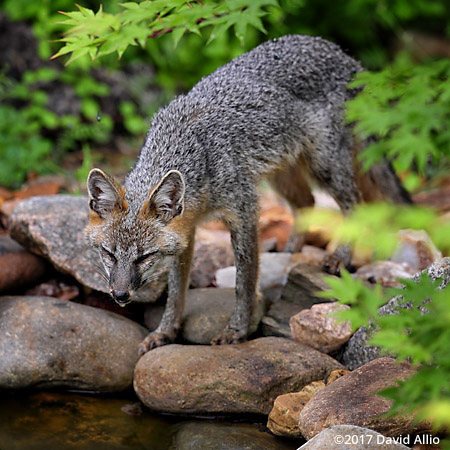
column 422, row 338
column 28, row 133
column 99, row 34
column 406, row 108
column 372, row 228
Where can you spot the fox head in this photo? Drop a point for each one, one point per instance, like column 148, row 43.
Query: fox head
column 136, row 242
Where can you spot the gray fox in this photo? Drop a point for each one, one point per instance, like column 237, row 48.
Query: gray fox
column 274, row 112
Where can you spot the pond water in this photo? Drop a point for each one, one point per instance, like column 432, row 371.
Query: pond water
column 74, row 421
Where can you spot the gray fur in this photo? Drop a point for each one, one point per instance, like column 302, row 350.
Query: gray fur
column 264, row 111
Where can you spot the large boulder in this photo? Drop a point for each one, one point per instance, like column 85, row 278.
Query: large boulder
column 52, row 226
column 240, row 378
column 353, row 400
column 51, row 343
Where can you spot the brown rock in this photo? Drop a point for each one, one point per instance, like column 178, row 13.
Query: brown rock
column 51, row 343
column 240, row 378
column 53, row 228
column 352, row 400
column 385, row 273
column 415, row 249
column 336, row 374
column 18, row 268
column 318, row 327
column 283, row 419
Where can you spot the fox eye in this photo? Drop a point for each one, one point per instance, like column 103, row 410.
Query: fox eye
column 108, row 255
column 144, row 257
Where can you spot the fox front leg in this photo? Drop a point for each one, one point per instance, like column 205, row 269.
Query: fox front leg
column 170, row 323
column 244, row 237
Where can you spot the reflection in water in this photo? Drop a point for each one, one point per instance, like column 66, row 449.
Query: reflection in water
column 69, row 421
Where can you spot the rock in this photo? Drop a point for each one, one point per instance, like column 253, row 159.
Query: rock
column 312, row 256
column 239, row 378
column 352, row 400
column 439, row 269
column 416, row 249
column 51, row 343
column 304, row 281
column 273, row 273
column 18, row 267
column 43, row 225
column 207, row 312
column 275, row 221
column 385, row 273
column 205, row 435
column 335, row 374
column 212, row 251
column 357, row 352
column 283, row 419
column 319, row 328
column 276, row 321
column 350, row 437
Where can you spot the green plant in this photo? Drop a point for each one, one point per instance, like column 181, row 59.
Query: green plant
column 99, row 34
column 406, row 107
column 411, row 334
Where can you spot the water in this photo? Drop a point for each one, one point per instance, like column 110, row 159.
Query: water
column 69, row 421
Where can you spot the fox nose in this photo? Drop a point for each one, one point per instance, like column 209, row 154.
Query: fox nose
column 121, row 297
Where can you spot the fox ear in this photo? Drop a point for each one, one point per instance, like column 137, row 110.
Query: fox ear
column 105, row 194
column 167, row 199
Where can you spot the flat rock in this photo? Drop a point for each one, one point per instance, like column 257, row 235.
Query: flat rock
column 239, row 378
column 52, row 227
column 49, row 343
column 352, row 400
column 18, row 267
column 207, row 312
column 339, row 437
column 385, row 273
column 319, row 328
column 205, row 435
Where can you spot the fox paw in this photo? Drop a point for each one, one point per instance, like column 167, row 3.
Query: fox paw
column 153, row 340
column 229, row 336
